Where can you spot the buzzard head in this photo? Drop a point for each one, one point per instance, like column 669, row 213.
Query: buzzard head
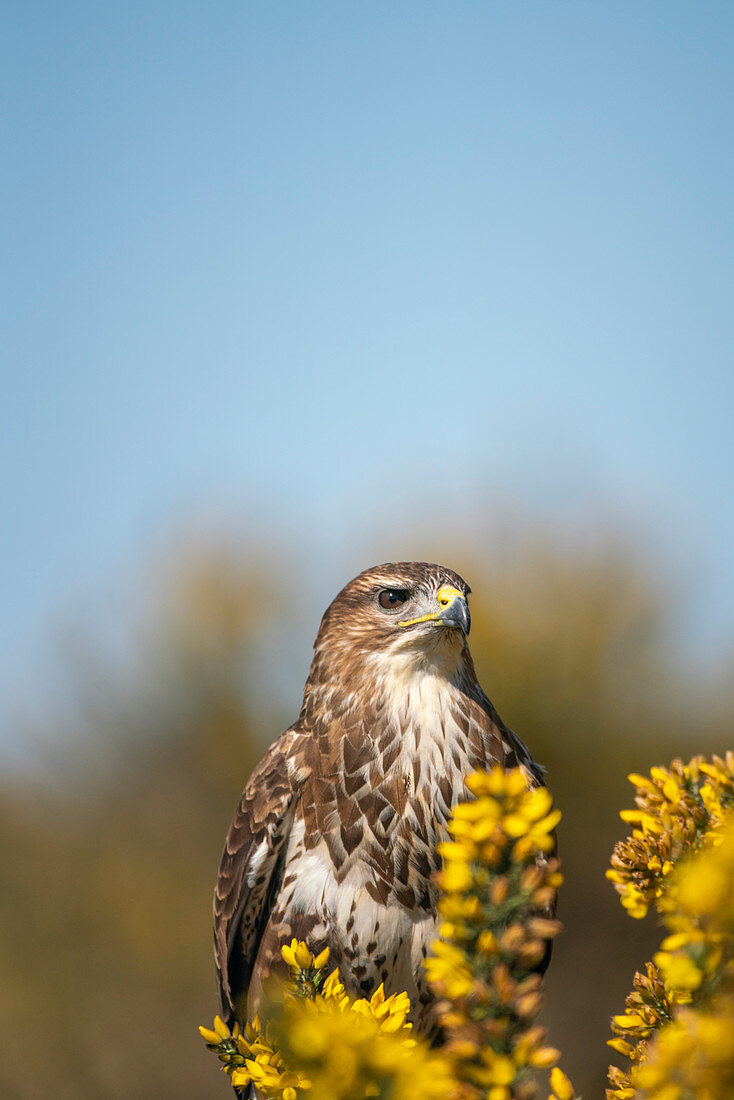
column 412, row 614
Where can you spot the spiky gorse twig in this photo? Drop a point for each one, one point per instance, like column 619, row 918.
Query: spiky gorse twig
column 497, row 881
column 685, row 1001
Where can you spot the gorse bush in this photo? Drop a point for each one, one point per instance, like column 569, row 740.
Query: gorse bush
column 677, row 1029
column 498, row 887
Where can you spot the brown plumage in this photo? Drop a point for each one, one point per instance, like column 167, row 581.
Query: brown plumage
column 334, row 841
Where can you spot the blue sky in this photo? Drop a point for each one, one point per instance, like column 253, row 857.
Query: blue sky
column 305, row 265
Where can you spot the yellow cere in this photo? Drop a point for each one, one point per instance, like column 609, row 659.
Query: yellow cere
column 446, row 596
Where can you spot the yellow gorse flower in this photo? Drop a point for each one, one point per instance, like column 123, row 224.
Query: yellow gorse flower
column 678, row 1026
column 679, row 810
column 298, row 956
column 562, row 1087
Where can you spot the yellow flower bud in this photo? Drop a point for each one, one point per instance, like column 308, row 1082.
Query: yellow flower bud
column 621, row 1046
column 319, row 962
column 455, row 877
column 544, row 1058
column 561, row 1085
column 486, row 943
column 498, row 890
column 529, row 1004
column 627, row 1022
column 209, row 1036
column 304, row 958
column 679, row 971
column 502, row 1070
column 221, row 1028
column 288, row 951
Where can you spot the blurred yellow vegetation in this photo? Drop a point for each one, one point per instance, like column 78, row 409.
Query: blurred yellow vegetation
column 320, row 1041
column 112, row 839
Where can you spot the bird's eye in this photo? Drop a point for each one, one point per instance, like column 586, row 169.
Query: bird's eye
column 393, row 597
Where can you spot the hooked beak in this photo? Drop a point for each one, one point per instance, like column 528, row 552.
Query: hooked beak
column 457, row 614
column 454, row 610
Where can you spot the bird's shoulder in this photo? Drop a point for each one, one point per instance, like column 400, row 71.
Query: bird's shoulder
column 505, row 747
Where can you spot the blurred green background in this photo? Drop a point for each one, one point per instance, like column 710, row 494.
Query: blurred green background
column 291, row 290
column 111, row 842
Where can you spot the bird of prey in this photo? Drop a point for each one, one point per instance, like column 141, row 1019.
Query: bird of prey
column 335, row 838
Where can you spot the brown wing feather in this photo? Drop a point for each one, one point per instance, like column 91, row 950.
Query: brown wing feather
column 248, row 869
